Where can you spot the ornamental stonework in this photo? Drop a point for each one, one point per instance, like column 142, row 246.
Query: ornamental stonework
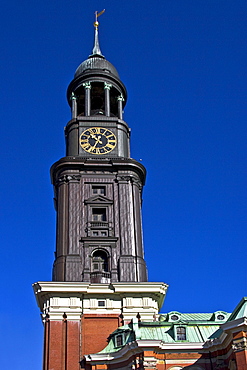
column 240, row 345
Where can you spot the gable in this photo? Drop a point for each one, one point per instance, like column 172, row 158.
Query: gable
column 98, row 199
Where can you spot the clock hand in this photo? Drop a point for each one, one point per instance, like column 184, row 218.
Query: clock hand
column 97, row 140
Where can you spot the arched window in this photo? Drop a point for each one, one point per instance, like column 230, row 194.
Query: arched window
column 181, row 333
column 100, row 261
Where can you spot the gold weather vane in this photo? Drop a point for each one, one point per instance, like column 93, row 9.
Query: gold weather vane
column 96, row 23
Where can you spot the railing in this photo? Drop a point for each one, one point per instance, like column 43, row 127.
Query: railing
column 101, row 274
column 100, row 277
column 100, row 225
column 97, row 224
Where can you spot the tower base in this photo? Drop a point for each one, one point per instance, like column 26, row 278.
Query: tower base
column 78, row 317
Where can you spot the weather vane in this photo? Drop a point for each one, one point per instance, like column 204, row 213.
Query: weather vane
column 96, row 23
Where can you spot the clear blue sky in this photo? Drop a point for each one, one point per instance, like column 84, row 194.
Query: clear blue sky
column 184, row 65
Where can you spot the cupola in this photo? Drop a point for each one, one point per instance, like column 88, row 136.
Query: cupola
column 96, row 88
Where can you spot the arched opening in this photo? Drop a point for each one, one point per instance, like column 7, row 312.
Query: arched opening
column 114, row 102
column 97, row 99
column 100, row 261
column 100, row 267
column 94, row 98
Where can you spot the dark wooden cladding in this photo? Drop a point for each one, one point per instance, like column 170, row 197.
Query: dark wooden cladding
column 99, row 236
column 99, row 232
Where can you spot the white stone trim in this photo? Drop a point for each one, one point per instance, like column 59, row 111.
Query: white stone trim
column 75, row 299
column 186, row 346
column 235, row 325
column 185, row 362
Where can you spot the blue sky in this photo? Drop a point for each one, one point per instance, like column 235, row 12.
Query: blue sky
column 184, row 65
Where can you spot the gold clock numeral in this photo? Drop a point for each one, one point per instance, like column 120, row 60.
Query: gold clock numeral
column 110, row 146
column 95, row 130
column 85, row 146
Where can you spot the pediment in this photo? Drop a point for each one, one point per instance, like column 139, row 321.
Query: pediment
column 98, row 199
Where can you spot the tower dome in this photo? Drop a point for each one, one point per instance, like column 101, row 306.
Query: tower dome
column 96, row 87
column 96, row 63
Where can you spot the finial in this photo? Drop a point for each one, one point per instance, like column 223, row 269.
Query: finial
column 96, row 48
column 96, row 23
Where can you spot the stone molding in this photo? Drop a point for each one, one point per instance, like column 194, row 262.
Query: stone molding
column 235, row 325
column 150, row 363
column 239, row 345
column 129, row 178
column 74, row 299
column 67, row 178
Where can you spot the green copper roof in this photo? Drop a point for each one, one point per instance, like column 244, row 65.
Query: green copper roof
column 193, row 317
column 198, row 327
column 240, row 310
column 194, row 333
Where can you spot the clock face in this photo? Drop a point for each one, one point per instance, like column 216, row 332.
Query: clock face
column 98, row 140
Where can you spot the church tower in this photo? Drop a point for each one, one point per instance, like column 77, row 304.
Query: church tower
column 97, row 185
column 99, row 274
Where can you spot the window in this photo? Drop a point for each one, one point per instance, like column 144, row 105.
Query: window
column 101, row 303
column 119, row 340
column 98, row 190
column 181, row 333
column 100, row 261
column 99, row 214
column 100, row 233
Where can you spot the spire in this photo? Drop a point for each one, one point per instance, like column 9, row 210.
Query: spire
column 96, row 48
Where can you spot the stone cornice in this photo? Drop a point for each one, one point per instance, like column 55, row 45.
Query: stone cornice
column 225, row 338
column 122, row 355
column 45, row 290
column 179, row 346
column 140, row 346
column 84, row 163
column 235, row 325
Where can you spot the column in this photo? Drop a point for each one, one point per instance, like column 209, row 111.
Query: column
column 107, row 88
column 87, row 87
column 120, row 106
column 73, row 98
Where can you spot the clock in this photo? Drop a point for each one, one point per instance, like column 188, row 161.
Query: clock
column 98, row 140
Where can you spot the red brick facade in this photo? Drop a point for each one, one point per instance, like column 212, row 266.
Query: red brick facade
column 66, row 341
column 95, row 331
